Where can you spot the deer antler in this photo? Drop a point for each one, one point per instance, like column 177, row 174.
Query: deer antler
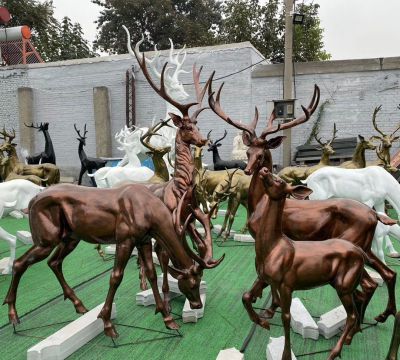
column 200, row 91
column 215, row 105
column 176, row 62
column 78, row 132
column 4, row 135
column 223, row 137
column 334, row 134
column 141, row 59
column 376, row 110
column 270, row 129
column 34, row 126
column 228, row 191
column 145, row 139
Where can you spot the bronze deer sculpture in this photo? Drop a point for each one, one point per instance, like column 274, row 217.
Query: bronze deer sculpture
column 288, row 265
column 64, row 214
column 171, row 192
column 319, row 220
column 48, row 155
column 358, row 159
column 11, row 167
column 294, row 174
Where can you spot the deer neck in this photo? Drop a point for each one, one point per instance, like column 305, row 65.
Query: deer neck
column 13, row 161
column 359, row 156
column 324, row 159
column 160, row 167
column 81, row 152
column 48, row 147
column 270, row 233
column 184, row 167
column 216, row 157
column 198, row 164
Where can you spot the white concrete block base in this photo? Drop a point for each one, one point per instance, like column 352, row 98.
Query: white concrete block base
column 5, row 266
column 302, row 322
column 146, row 298
column 110, row 250
column 375, row 276
column 25, row 237
column 331, row 322
column 247, row 238
column 16, row 214
column 70, row 338
column 230, row 354
column 201, row 230
column 192, row 315
column 221, row 212
column 217, row 228
column 275, row 348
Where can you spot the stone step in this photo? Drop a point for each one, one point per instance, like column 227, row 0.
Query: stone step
column 331, row 322
column 192, row 315
column 302, row 322
column 230, row 354
column 275, row 348
column 71, row 337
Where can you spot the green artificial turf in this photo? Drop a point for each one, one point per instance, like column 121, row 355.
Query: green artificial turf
column 224, row 325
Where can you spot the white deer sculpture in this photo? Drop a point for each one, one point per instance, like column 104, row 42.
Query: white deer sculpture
column 372, row 186
column 173, row 86
column 15, row 196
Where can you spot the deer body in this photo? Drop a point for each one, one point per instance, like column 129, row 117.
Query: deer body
column 48, row 155
column 319, row 220
column 67, row 213
column 287, row 265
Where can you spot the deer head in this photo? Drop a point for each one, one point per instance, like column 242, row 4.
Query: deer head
column 213, row 146
column 258, row 152
column 185, row 123
column 326, row 147
column 40, row 127
column 366, row 144
column 278, row 189
column 81, row 139
column 7, row 149
column 386, row 139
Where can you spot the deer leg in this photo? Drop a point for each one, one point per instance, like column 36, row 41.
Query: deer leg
column 142, row 275
column 245, row 228
column 249, row 297
column 55, row 263
column 228, row 209
column 83, row 170
column 92, row 178
column 389, row 276
column 146, row 252
column 348, row 303
column 122, row 255
column 286, row 301
column 164, row 260
column 270, row 312
column 231, row 216
column 33, row 255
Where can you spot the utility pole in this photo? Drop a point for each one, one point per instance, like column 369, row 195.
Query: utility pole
column 288, row 76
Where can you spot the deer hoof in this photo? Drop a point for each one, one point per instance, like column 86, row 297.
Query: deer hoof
column 264, row 323
column 110, row 331
column 81, row 309
column 170, row 323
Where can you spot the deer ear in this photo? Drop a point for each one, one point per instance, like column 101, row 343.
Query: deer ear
column 395, row 138
column 361, row 138
column 300, row 192
column 177, row 120
column 246, row 138
column 274, row 142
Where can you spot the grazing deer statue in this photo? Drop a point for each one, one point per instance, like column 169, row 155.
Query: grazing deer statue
column 59, row 226
column 171, row 192
column 334, row 218
column 48, row 155
column 157, row 153
column 386, row 141
column 11, row 167
column 288, row 265
column 220, row 164
column 358, row 159
column 294, row 174
column 89, row 164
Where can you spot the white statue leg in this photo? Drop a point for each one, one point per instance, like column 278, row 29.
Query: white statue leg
column 11, row 239
column 391, row 251
column 378, row 241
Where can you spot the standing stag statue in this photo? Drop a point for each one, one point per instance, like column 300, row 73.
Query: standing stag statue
column 320, row 220
column 11, row 168
column 220, row 164
column 171, row 192
column 88, row 164
column 48, row 155
column 294, row 174
column 64, row 214
column 288, row 265
column 386, row 140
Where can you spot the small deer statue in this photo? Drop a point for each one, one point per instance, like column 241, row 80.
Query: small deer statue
column 89, row 164
column 386, row 141
column 294, row 174
column 288, row 265
column 47, row 156
column 358, row 159
column 220, row 164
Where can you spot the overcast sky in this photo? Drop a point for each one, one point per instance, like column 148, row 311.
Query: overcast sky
column 353, row 28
